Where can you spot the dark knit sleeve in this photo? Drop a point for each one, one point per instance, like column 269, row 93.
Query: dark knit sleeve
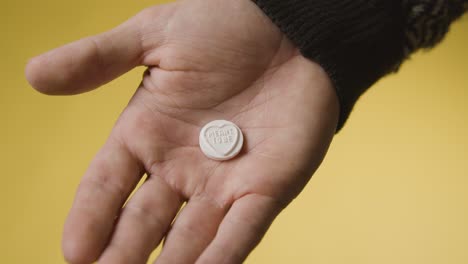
column 359, row 41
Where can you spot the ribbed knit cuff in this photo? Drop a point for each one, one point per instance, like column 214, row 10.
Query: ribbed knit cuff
column 355, row 41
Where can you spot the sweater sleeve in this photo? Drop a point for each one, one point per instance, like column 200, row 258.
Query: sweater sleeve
column 359, row 41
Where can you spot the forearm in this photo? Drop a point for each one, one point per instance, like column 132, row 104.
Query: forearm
column 358, row 42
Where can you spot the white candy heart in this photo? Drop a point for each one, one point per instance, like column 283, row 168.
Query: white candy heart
column 221, row 140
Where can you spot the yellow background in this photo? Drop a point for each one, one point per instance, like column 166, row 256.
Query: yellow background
column 393, row 189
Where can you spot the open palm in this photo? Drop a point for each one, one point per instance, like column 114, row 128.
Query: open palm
column 207, row 60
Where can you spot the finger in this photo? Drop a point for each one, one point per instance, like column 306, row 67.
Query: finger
column 143, row 223
column 192, row 231
column 103, row 190
column 241, row 230
column 88, row 63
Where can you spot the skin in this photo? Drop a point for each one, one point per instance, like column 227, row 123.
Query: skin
column 207, row 60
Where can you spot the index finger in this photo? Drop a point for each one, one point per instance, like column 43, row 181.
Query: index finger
column 111, row 177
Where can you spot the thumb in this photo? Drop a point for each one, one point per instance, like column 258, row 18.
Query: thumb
column 88, row 63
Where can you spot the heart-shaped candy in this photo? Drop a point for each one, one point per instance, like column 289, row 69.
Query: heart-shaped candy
column 221, row 140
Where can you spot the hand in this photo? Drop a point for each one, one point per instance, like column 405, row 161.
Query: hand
column 207, row 60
